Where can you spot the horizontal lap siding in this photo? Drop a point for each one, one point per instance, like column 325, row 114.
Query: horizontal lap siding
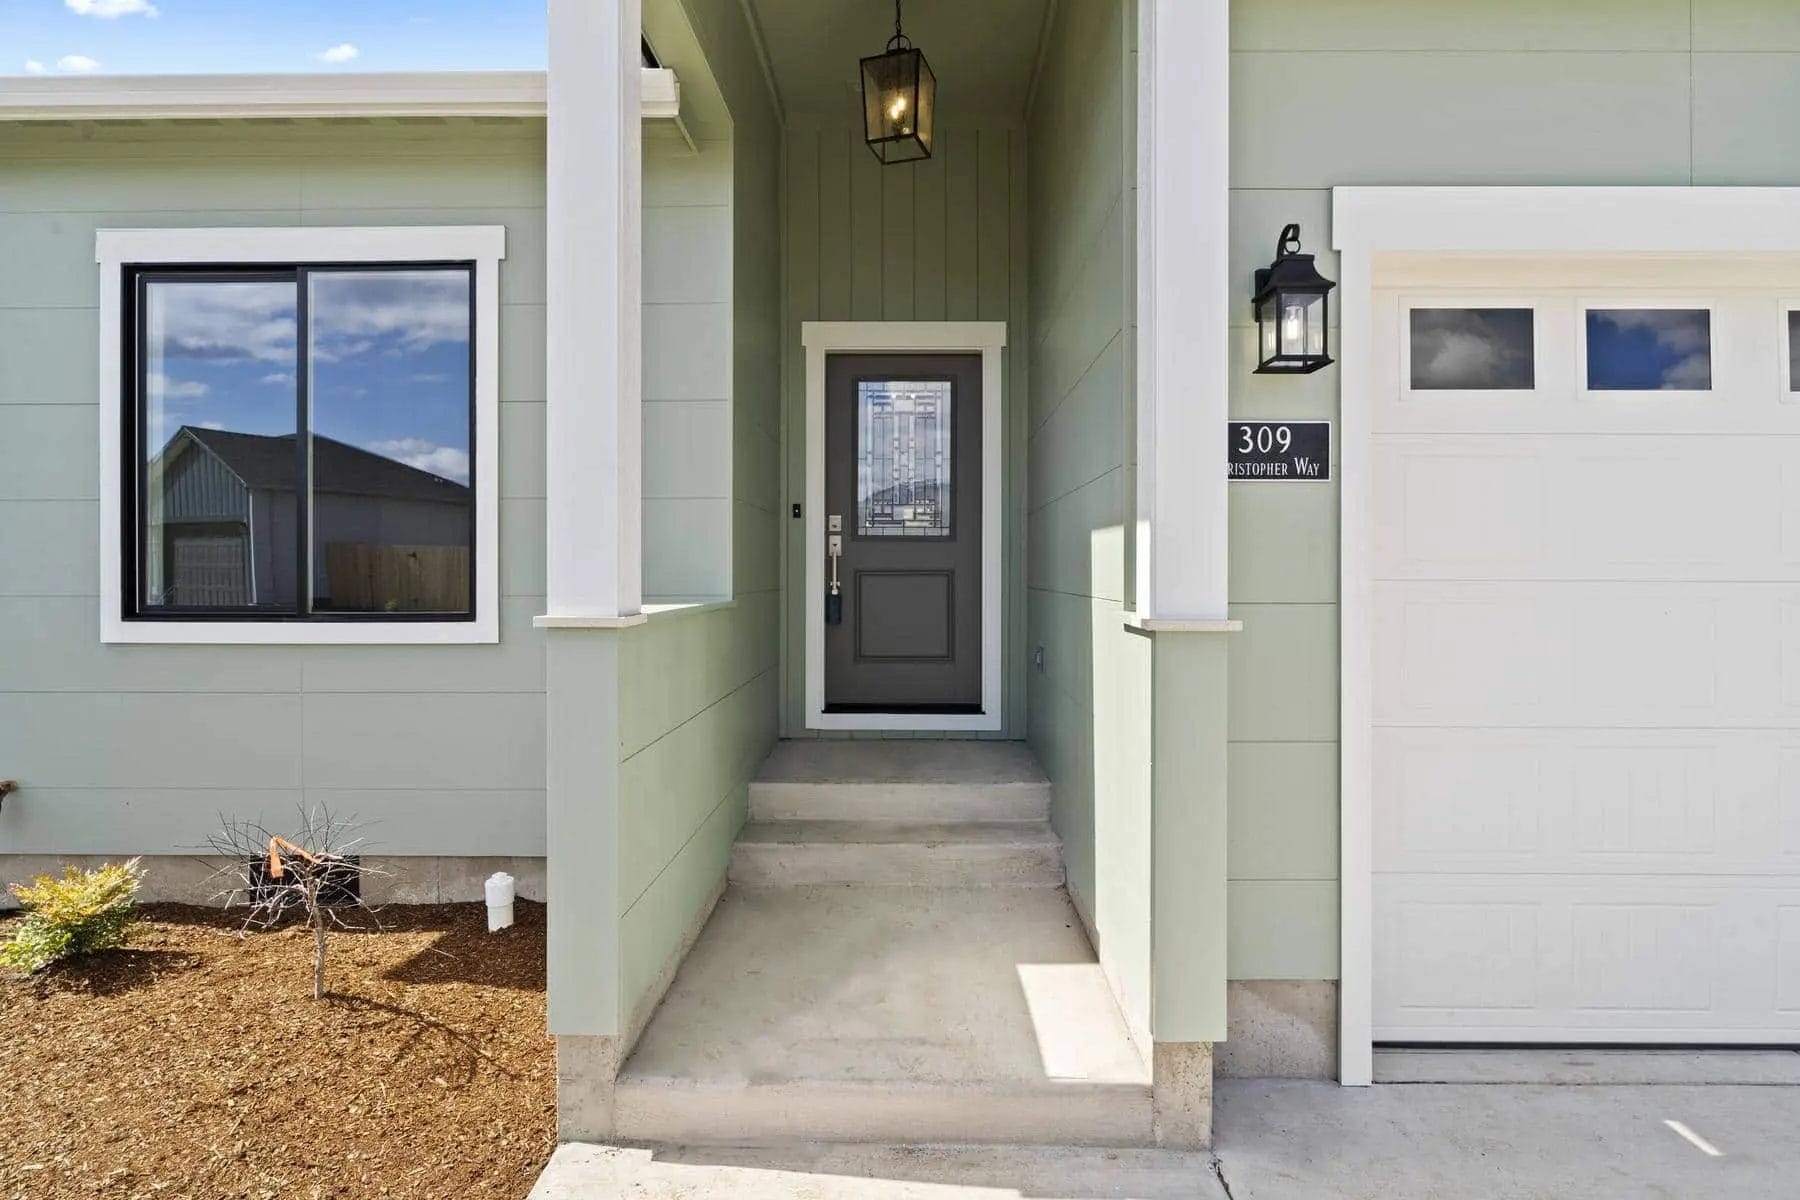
column 141, row 749
column 1405, row 92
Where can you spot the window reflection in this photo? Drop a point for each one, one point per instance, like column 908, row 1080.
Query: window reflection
column 389, row 391
column 1793, row 336
column 218, row 422
column 1471, row 349
column 1649, row 349
column 903, row 460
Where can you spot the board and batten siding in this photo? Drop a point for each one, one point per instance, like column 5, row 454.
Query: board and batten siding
column 1610, row 92
column 140, row 749
column 1090, row 701
column 939, row 240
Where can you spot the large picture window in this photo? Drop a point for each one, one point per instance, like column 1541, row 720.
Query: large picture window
column 304, row 444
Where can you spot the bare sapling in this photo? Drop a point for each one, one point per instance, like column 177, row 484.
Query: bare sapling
column 311, row 873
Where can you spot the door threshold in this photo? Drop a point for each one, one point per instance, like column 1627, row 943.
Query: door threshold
column 908, row 710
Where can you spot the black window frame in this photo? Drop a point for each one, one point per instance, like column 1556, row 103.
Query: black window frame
column 134, row 415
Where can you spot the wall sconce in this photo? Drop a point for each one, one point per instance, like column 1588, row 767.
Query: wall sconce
column 899, row 100
column 1292, row 313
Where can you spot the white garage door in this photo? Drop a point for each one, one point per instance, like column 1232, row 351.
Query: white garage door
column 1586, row 604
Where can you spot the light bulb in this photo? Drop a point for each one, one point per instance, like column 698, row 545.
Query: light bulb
column 896, row 108
column 1290, row 323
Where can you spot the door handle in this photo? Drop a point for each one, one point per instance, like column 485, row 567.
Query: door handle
column 834, row 597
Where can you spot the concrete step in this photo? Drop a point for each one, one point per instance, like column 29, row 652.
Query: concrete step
column 888, row 1014
column 903, row 780
column 966, row 854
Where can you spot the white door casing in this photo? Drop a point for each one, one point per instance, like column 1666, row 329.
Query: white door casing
column 988, row 339
column 1570, row 634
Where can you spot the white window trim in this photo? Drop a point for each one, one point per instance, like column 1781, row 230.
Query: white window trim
column 1538, row 222
column 988, row 339
column 485, row 245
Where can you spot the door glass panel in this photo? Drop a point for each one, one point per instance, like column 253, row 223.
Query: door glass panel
column 1471, row 349
column 903, row 485
column 219, row 465
column 1649, row 349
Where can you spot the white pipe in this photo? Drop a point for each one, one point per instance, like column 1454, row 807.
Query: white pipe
column 499, row 900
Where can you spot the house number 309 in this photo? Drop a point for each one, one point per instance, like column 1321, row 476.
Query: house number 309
column 1264, row 439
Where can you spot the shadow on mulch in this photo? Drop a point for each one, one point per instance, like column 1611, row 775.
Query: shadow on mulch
column 465, row 952
column 111, row 972
column 418, row 1029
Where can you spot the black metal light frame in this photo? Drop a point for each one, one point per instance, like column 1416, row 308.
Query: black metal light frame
column 1292, row 274
column 898, row 73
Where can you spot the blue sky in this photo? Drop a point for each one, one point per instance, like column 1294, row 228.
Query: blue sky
column 155, row 37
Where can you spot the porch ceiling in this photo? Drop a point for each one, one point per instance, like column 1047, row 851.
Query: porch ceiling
column 982, row 53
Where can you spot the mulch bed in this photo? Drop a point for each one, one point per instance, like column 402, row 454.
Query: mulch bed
column 196, row 1063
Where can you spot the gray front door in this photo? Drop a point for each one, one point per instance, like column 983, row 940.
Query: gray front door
column 903, row 491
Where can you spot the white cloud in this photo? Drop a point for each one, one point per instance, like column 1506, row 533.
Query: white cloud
column 76, row 63
column 278, row 377
column 165, row 389
column 343, row 52
column 428, row 377
column 412, row 310
column 34, row 67
column 236, row 322
column 445, row 461
column 106, row 10
column 220, row 425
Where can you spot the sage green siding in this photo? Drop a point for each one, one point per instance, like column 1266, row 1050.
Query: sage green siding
column 140, row 749
column 1090, row 703
column 697, row 690
column 941, row 240
column 1628, row 92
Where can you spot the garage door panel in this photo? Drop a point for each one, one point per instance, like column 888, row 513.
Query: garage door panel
column 1470, row 958
column 1615, row 508
column 1586, row 654
column 1676, row 803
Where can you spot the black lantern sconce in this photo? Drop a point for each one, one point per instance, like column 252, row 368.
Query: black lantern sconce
column 899, row 98
column 1292, row 312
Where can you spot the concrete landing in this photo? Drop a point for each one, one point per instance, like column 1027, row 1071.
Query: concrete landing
column 888, row 1014
column 901, row 780
column 862, row 1172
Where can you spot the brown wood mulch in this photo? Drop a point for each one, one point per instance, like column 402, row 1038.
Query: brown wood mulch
column 195, row 1062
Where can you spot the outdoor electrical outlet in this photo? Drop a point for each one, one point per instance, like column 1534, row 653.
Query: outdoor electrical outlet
column 1037, row 658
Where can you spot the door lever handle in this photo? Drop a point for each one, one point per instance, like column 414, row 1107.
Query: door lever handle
column 834, row 599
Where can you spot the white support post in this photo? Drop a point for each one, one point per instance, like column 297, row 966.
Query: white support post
column 1183, row 316
column 594, row 385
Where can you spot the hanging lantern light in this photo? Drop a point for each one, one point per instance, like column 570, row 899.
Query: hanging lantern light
column 1291, row 311
column 899, row 96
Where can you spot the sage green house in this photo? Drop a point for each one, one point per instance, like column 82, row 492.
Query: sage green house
column 838, row 529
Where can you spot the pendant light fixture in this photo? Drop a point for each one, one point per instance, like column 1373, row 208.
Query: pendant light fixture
column 899, row 96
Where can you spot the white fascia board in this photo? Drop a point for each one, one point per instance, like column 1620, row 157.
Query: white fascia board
column 224, row 97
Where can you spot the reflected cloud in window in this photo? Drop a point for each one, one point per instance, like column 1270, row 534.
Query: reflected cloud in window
column 1649, row 349
column 1471, row 349
column 1793, row 336
column 391, row 388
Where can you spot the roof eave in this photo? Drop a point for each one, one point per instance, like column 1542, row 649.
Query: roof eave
column 290, row 97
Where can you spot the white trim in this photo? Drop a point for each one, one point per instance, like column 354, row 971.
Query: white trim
column 1368, row 223
column 485, row 245
column 1184, row 298
column 1176, row 625
column 212, row 97
column 987, row 338
column 593, row 376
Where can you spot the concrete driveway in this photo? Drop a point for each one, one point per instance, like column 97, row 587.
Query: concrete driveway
column 1301, row 1140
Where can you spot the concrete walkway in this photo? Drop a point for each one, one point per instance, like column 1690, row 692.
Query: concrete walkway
column 1291, row 1140
column 1299, row 1140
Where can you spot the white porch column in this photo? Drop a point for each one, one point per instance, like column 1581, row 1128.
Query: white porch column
column 594, row 384
column 1184, row 290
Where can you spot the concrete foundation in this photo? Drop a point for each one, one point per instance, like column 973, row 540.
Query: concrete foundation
column 1279, row 1029
column 1182, row 1095
column 404, row 879
column 587, row 1072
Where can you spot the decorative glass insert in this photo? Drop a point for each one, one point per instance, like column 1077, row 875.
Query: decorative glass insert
column 1649, row 349
column 1472, row 349
column 903, row 460
column 1793, row 332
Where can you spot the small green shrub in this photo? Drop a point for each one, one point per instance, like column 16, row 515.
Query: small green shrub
column 80, row 913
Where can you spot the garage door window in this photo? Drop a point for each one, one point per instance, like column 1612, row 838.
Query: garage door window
column 1793, row 349
column 1471, row 349
column 1649, row 349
